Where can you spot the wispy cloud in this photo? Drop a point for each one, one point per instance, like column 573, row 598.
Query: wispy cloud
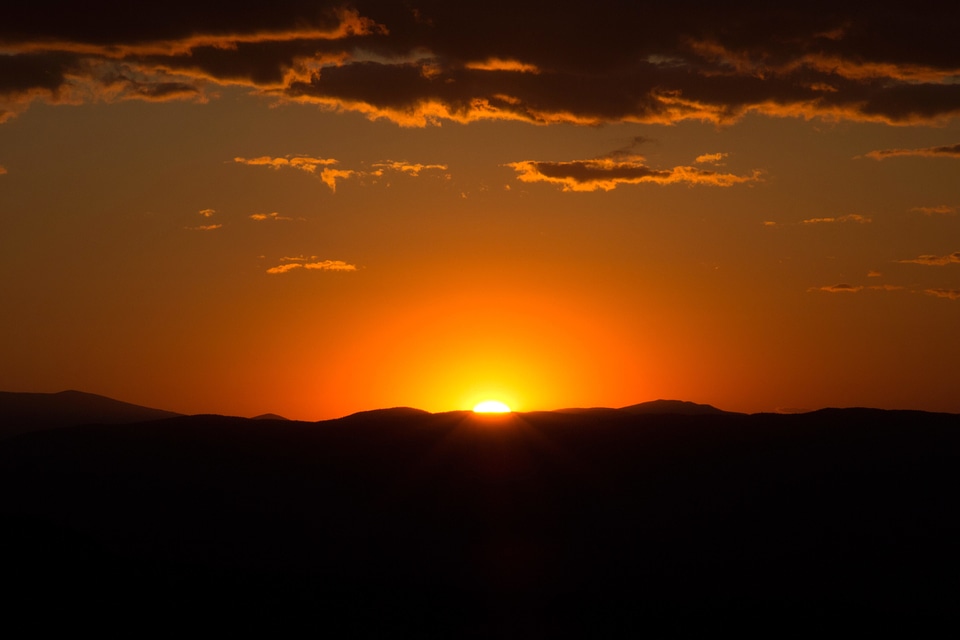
column 949, row 151
column 329, row 175
column 259, row 217
column 300, row 263
column 607, row 174
column 205, row 227
column 283, row 268
column 936, row 261
column 206, row 213
column 839, row 288
column 852, row 217
column 500, row 64
column 326, row 173
column 712, row 158
column 855, row 288
column 330, row 265
column 952, row 294
column 304, row 163
column 409, row 168
column 939, row 209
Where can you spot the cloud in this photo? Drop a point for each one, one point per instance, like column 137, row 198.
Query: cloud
column 498, row 64
column 608, row 61
column 839, row 288
column 873, row 274
column 206, row 213
column 283, row 268
column 324, row 168
column 949, row 151
column 410, row 168
column 268, row 216
column 713, row 158
column 304, row 163
column 301, row 263
column 854, row 288
column 3, row 170
column 330, row 265
column 607, row 174
column 952, row 294
column 931, row 260
column 330, row 176
column 327, row 174
column 939, row 209
column 205, row 227
column 852, row 217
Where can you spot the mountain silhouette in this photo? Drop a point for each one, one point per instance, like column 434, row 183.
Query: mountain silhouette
column 677, row 407
column 540, row 524
column 24, row 412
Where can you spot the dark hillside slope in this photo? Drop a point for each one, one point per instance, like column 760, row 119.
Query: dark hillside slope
column 25, row 412
column 527, row 525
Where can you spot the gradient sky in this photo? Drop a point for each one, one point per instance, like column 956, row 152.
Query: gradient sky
column 317, row 208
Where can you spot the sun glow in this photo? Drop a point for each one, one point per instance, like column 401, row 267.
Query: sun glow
column 491, row 406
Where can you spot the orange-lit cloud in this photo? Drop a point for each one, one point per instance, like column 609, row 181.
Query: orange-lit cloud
column 206, row 213
column 283, row 268
column 498, row 64
column 323, row 168
column 2, row 170
column 839, row 288
column 410, row 168
column 854, row 288
column 937, row 261
column 330, row 176
column 463, row 62
column 608, row 174
column 325, row 265
column 205, row 227
column 952, row 294
column 330, row 265
column 949, row 151
column 304, row 163
column 939, row 209
column 874, row 274
column 852, row 217
column 259, row 217
column 327, row 175
column 713, row 158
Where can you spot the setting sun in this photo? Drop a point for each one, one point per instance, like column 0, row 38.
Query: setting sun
column 491, row 406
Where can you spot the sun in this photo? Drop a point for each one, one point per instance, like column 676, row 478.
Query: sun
column 491, row 406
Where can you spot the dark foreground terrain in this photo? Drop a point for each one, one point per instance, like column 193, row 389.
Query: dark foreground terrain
column 598, row 523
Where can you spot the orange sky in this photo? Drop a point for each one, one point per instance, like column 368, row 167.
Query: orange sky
column 328, row 208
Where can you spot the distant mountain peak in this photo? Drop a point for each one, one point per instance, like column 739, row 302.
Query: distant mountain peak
column 23, row 412
column 677, row 407
column 269, row 416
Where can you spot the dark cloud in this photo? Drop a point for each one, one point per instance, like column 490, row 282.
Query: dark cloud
column 607, row 174
column 949, row 151
column 935, row 261
column 951, row 294
column 602, row 61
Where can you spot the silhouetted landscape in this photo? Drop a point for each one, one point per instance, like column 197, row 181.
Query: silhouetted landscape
column 667, row 517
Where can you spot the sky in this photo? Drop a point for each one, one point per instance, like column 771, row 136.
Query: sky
column 317, row 208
